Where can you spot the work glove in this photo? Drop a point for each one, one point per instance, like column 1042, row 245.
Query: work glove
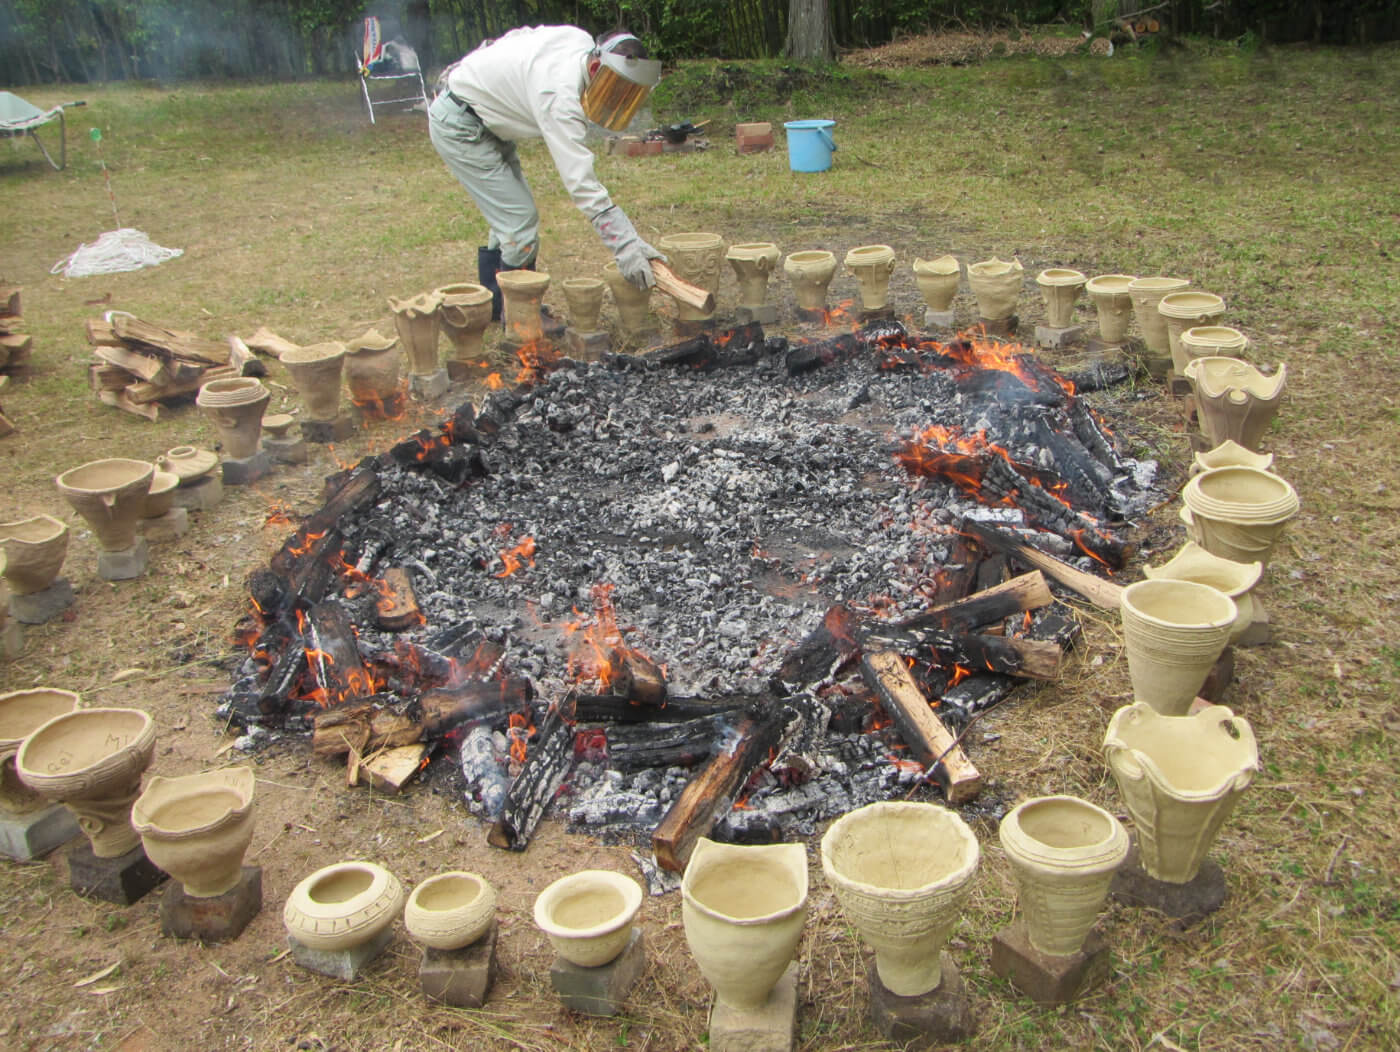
column 633, row 255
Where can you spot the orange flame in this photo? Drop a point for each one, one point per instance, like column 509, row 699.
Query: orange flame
column 515, row 558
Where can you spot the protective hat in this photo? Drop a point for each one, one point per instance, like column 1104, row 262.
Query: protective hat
column 621, row 83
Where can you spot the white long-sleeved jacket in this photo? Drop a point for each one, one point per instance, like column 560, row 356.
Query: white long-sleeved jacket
column 527, row 84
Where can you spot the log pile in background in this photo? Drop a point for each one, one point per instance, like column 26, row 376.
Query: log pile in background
column 15, row 345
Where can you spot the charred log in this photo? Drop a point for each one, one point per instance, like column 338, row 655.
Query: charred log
column 1026, row 592
column 547, row 764
column 632, row 747
column 808, row 356
column 333, row 655
column 638, row 678
column 1101, row 593
column 1025, row 658
column 822, row 655
column 472, row 702
column 593, row 708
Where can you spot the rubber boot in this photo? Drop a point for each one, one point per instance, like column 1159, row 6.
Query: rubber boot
column 488, row 265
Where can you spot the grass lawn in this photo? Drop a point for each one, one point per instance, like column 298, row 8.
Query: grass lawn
column 1267, row 177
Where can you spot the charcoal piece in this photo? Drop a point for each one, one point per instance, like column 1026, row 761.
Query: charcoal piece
column 1099, row 376
column 634, row 746
column 884, row 332
column 546, row 765
column 698, row 352
column 808, row 356
column 831, row 646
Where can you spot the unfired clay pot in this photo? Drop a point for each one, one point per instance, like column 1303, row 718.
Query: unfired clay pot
column 110, row 495
column 997, row 286
column 1114, row 304
column 938, row 280
column 342, row 905
column 416, row 322
column 743, row 910
column 1146, row 293
column 1239, row 513
column 450, row 910
column 872, row 265
column 160, row 498
column 1212, row 341
column 1234, row 400
column 197, row 827
column 236, row 407
column 1173, row 632
column 1063, row 853
column 523, row 292
column 1059, row 288
column 21, row 713
column 810, row 272
column 1187, row 310
column 187, row 463
column 34, row 550
column 1230, row 454
column 633, row 304
column 588, row 915
column 1237, row 580
column 698, row 258
column 91, row 760
column 464, row 314
column 372, row 368
column 1179, row 777
column 902, row 872
column 316, row 371
column 752, row 263
column 584, row 297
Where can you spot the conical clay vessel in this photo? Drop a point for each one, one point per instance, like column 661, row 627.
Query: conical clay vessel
column 1237, row 580
column 1179, row 777
column 342, row 905
column 1063, row 853
column 450, row 910
column 810, row 273
column 938, row 281
column 902, row 872
column 1234, row 400
column 1114, row 303
column 34, row 550
column 1173, row 633
column 523, row 292
column 696, row 257
column 1187, row 310
column 416, row 322
column 997, row 286
column 633, row 304
column 1239, row 513
column 236, row 407
column 316, row 371
column 584, row 297
column 872, row 265
column 588, row 915
column 110, row 495
column 160, row 498
column 743, row 910
column 22, row 712
column 1146, row 294
column 752, row 263
column 464, row 315
column 372, row 368
column 90, row 760
column 197, row 827
column 1060, row 288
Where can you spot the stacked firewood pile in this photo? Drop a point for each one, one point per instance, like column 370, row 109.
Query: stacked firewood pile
column 141, row 367
column 15, row 345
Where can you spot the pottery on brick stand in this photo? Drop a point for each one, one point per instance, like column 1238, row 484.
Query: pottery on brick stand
column 1146, row 294
column 588, row 915
column 90, row 760
column 872, row 265
column 810, row 272
column 523, row 292
column 21, row 713
column 743, row 909
column 1230, row 454
column 1237, row 580
column 1173, row 633
column 902, row 872
column 1212, row 341
column 997, row 286
column 416, row 322
column 696, row 257
column 187, row 463
column 1234, row 400
column 236, row 406
column 1114, row 303
column 160, row 498
column 1239, row 513
column 110, row 496
column 197, row 827
column 342, row 905
column 316, row 371
column 584, row 297
column 1059, row 288
column 938, row 280
column 633, row 304
column 752, row 263
column 372, row 369
column 1187, row 310
column 1063, row 853
column 1180, row 777
column 450, row 910
column 464, row 315
column 34, row 550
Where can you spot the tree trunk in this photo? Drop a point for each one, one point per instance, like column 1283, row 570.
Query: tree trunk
column 809, row 31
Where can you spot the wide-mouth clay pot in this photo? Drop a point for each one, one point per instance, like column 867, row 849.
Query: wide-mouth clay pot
column 187, row 463
column 1114, row 304
column 997, row 286
column 633, row 304
column 810, row 272
column 1234, row 400
column 696, row 257
column 372, row 367
column 1194, row 563
column 938, row 280
column 34, row 551
column 584, row 297
column 342, row 905
column 91, row 761
column 752, row 263
column 743, row 909
column 1173, row 632
column 902, row 872
column 450, row 910
column 1238, row 513
column 160, row 498
column 1063, row 853
column 197, row 827
column 588, row 915
column 464, row 315
column 316, row 371
column 1146, row 294
column 1180, row 777
column 1187, row 310
column 417, row 321
column 110, row 495
column 872, row 265
column 1230, row 454
column 236, row 406
column 523, row 292
column 1059, row 288
column 1212, row 341
column 21, row 713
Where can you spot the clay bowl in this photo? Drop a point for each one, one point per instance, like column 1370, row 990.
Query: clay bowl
column 161, row 497
column 81, row 753
column 22, row 712
column 342, row 905
column 450, row 910
column 34, row 551
column 588, row 915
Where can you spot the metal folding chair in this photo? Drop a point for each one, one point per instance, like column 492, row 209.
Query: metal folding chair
column 18, row 117
column 391, row 60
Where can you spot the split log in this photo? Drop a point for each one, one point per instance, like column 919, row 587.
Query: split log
column 344, row 496
column 444, row 708
column 288, row 665
column 711, row 791
column 241, row 360
column 1026, row 658
column 1026, row 592
column 1101, row 593
column 141, row 365
column 364, row 726
column 933, row 744
column 180, row 344
column 397, row 607
column 144, row 393
column 99, row 333
column 982, row 691
column 265, row 341
column 637, row 678
column 389, row 769
column 546, row 766
column 9, row 299
column 18, row 345
column 669, row 282
column 122, row 400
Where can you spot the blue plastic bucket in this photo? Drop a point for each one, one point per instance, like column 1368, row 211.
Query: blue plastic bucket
column 810, row 145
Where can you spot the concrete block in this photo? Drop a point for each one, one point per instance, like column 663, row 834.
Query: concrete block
column 247, row 470
column 324, row 432
column 1184, row 904
column 943, row 1016
column 1222, row 674
column 40, row 607
column 124, row 880
column 463, row 977
column 36, row 833
column 201, row 494
column 602, row 990
column 1048, row 980
column 1054, row 339
column 346, row 965
column 940, row 319
column 767, row 314
column 427, row 386
column 587, row 346
column 173, row 524
column 11, row 639
column 771, row 1028
column 1259, row 631
column 1178, row 386
column 218, row 919
column 287, row 450
column 126, row 564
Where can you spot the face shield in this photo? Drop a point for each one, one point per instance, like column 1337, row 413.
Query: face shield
column 621, row 84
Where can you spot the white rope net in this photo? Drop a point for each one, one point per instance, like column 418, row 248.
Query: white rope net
column 114, row 252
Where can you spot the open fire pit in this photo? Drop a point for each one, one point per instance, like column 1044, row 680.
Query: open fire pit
column 730, row 587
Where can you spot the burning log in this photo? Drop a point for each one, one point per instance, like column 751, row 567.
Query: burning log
column 823, row 654
column 808, row 356
column 637, row 678
column 476, row 700
column 1026, row 658
column 980, row 692
column 698, row 352
column 595, row 708
column 397, row 608
column 1047, row 511
column 1101, row 593
column 711, row 791
column 632, row 746
column 1026, row 592
column 333, row 655
column 530, row 795
column 933, row 744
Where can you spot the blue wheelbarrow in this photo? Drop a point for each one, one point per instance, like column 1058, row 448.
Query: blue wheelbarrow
column 18, row 117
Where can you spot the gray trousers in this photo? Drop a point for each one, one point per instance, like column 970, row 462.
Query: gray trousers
column 489, row 169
